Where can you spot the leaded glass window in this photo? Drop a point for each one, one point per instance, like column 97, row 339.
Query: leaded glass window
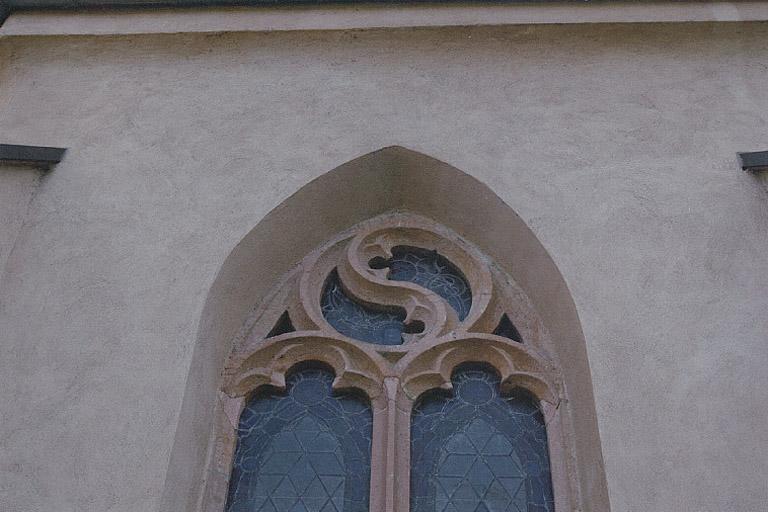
column 377, row 367
column 365, row 322
column 433, row 271
column 307, row 450
column 479, row 451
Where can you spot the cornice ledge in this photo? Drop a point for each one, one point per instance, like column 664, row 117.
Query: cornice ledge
column 32, row 156
column 170, row 20
column 755, row 161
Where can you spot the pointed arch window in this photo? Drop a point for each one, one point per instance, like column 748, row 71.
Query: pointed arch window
column 478, row 449
column 306, row 449
column 394, row 370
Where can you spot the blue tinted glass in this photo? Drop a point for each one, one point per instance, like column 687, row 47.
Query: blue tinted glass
column 305, row 451
column 375, row 324
column 478, row 451
column 432, row 271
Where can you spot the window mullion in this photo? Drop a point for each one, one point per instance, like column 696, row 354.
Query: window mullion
column 390, row 457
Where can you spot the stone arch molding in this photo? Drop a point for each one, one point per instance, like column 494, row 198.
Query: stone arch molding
column 348, row 223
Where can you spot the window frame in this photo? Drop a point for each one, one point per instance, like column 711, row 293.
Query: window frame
column 393, row 378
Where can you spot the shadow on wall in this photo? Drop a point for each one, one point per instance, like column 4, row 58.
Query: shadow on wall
column 393, row 178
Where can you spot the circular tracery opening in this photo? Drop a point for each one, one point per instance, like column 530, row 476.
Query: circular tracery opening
column 373, row 323
column 433, row 271
column 384, row 324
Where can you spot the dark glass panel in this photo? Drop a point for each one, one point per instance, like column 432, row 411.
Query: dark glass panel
column 305, row 451
column 432, row 271
column 478, row 451
column 282, row 326
column 382, row 325
column 507, row 329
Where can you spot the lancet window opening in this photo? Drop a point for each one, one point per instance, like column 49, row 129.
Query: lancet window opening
column 396, row 369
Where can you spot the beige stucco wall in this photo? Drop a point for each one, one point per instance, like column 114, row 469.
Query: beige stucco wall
column 616, row 144
column 763, row 176
column 17, row 187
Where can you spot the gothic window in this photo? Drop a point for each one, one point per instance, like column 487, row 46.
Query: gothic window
column 388, row 372
column 306, row 449
column 372, row 323
column 478, row 450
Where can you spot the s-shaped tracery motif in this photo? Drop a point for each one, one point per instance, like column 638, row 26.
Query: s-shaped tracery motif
column 391, row 310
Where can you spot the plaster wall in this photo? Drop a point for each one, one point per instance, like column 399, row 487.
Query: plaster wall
column 764, row 178
column 615, row 144
column 17, row 186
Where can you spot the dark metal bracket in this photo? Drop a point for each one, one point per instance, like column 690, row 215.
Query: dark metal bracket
column 35, row 156
column 755, row 161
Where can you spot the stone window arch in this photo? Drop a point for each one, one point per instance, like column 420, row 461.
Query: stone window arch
column 272, row 305
column 394, row 307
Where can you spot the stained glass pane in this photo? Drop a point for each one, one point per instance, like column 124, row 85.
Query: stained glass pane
column 478, row 451
column 375, row 324
column 282, row 326
column 507, row 329
column 432, row 271
column 304, row 451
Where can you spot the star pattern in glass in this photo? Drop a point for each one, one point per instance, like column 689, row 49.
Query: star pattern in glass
column 478, row 451
column 307, row 450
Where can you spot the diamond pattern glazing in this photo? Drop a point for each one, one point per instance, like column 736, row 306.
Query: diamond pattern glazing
column 304, row 451
column 478, row 451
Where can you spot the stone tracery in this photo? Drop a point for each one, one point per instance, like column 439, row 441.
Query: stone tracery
column 428, row 303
